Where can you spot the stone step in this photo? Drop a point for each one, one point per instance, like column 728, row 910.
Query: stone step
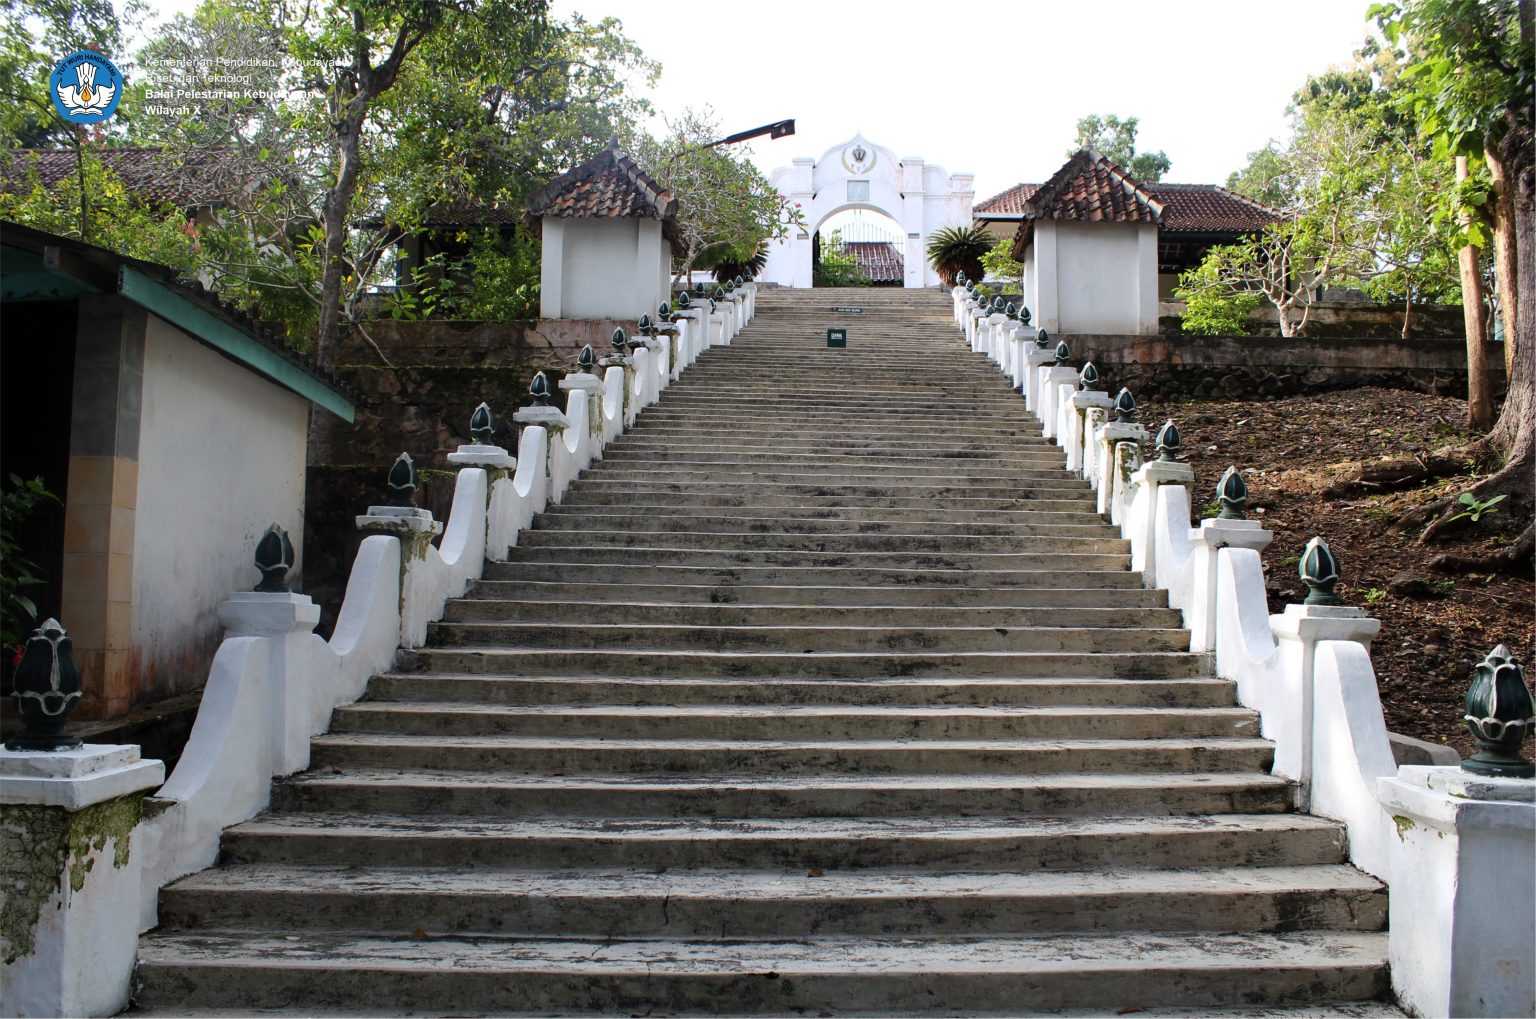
column 942, row 843
column 914, row 491
column 427, row 793
column 1051, row 691
column 483, row 610
column 908, row 546
column 598, row 569
column 740, row 454
column 1115, row 594
column 518, row 661
column 573, row 514
column 955, row 473
column 502, row 753
column 898, row 636
column 718, row 976
column 577, row 553
column 717, row 903
column 1019, row 504
column 797, row 723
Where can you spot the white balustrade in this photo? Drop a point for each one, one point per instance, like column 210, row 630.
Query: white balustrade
column 1454, row 848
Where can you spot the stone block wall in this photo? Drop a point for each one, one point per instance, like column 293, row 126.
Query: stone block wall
column 1222, row 366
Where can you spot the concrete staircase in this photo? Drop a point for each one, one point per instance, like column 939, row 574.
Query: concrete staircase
column 825, row 693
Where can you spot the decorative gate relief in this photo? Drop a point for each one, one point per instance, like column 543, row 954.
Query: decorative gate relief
column 859, row 174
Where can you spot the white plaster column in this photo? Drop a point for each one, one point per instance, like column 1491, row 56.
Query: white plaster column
column 286, row 620
column 994, row 347
column 1052, row 379
column 551, row 267
column 75, row 896
column 1110, row 437
column 499, row 466
column 1035, row 360
column 1463, row 903
column 1143, row 519
column 1207, row 540
column 1081, row 434
column 415, row 529
column 1047, row 306
column 1146, row 279
column 1298, row 630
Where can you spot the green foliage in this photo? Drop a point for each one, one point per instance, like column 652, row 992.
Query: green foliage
column 838, row 267
column 1267, row 179
column 1212, row 307
column 727, row 211
column 1476, row 509
column 999, row 262
column 18, row 613
column 34, row 34
column 956, row 249
column 1374, row 595
column 1115, row 139
column 497, row 280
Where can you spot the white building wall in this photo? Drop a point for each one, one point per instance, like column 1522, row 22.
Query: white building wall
column 221, row 456
column 607, row 268
column 1093, row 277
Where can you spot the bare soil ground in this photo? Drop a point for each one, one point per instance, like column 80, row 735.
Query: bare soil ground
column 1435, row 627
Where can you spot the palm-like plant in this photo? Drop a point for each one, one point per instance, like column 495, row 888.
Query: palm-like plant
column 747, row 268
column 956, row 249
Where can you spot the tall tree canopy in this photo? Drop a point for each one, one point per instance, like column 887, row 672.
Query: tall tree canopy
column 1116, row 139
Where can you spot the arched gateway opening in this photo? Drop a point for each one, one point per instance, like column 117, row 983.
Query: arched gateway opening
column 858, row 247
column 907, row 198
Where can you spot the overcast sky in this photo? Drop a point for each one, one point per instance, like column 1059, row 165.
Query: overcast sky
column 994, row 87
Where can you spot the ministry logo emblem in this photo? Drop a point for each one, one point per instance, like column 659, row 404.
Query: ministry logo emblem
column 85, row 87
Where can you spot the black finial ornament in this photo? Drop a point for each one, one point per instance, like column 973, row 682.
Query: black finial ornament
column 1011, row 311
column 664, row 311
column 46, row 690
column 1088, row 378
column 1232, row 493
column 401, row 481
column 1042, row 339
column 719, row 293
column 586, row 359
column 698, row 288
column 1169, row 442
column 645, row 325
column 997, row 305
column 1063, row 353
column 274, row 558
column 960, row 277
column 1024, row 315
column 1500, row 714
column 1125, row 406
column 739, row 282
column 620, row 341
column 482, row 424
column 1320, row 572
column 683, row 301
column 539, row 388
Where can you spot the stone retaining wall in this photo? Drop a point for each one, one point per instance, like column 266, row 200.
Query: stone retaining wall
column 1165, row 366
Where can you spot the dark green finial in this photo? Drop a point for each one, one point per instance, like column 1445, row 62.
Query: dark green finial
column 740, row 282
column 698, row 288
column 586, row 359
column 1320, row 572
column 997, row 305
column 401, row 481
column 719, row 293
column 645, row 325
column 620, row 341
column 1063, row 352
column 274, row 558
column 1088, row 378
column 1500, row 714
column 682, row 300
column 730, row 287
column 1024, row 315
column 960, row 277
column 1169, row 442
column 46, row 687
column 482, row 425
column 664, row 311
column 1042, row 339
column 1011, row 311
column 1232, row 493
column 539, row 388
column 1125, row 406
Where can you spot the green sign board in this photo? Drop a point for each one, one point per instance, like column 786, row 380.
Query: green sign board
column 837, row 337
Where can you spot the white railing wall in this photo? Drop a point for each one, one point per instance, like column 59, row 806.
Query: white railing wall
column 274, row 683
column 1455, row 849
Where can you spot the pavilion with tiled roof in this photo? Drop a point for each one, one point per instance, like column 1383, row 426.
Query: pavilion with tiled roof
column 609, row 231
column 191, row 181
column 879, row 261
column 1100, row 248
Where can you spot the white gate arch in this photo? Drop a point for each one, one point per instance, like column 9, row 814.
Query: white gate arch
column 858, row 174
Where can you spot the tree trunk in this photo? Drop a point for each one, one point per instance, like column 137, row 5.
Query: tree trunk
column 338, row 202
column 1515, row 433
column 1479, row 374
column 1504, row 260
